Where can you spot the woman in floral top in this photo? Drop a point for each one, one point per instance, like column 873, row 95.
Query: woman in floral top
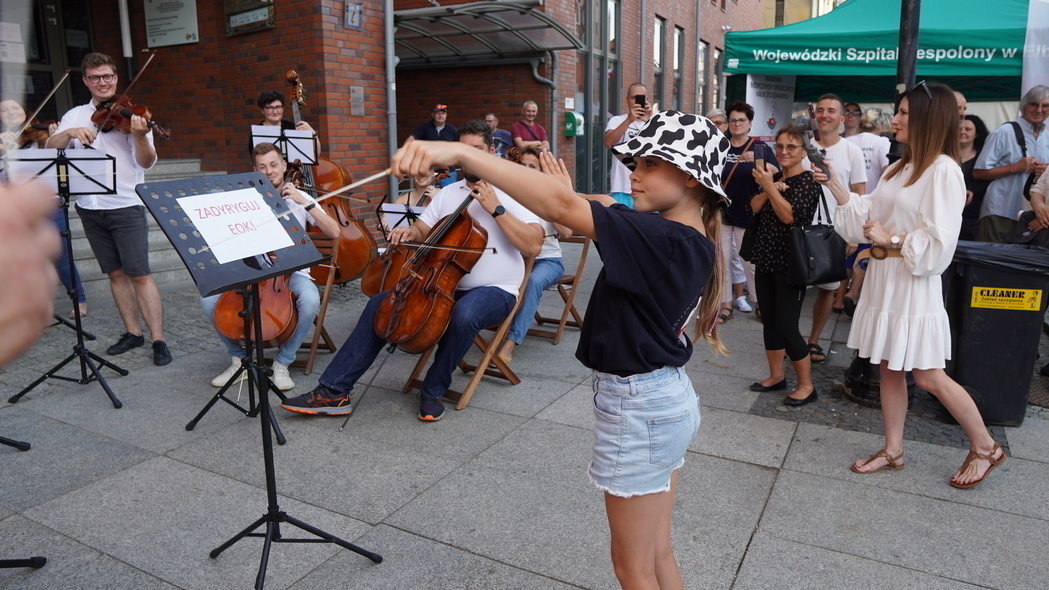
column 787, row 198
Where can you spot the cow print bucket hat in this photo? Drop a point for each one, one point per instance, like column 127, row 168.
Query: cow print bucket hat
column 690, row 142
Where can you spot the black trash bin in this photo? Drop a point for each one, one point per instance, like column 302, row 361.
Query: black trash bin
column 996, row 298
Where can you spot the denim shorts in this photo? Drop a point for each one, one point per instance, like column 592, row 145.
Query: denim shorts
column 643, row 426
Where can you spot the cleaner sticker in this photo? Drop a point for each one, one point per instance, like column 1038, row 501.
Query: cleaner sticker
column 1001, row 298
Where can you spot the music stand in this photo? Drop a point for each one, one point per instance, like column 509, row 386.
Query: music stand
column 202, row 259
column 71, row 172
column 33, row 562
column 294, row 144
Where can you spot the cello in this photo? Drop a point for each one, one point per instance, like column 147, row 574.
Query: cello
column 416, row 312
column 357, row 246
column 279, row 314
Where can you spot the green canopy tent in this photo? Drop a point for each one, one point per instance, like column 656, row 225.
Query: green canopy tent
column 975, row 46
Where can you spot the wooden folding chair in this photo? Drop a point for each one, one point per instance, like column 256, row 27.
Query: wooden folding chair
column 566, row 287
column 327, row 247
column 493, row 365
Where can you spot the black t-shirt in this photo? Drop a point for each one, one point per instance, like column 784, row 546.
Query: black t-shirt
column 654, row 272
column 741, row 185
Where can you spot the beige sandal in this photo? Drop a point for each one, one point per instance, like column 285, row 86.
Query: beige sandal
column 972, row 456
column 892, row 462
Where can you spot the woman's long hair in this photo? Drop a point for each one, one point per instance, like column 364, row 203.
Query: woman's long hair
column 710, row 304
column 932, row 129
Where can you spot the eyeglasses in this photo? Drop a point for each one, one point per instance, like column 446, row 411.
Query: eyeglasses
column 1044, row 105
column 718, row 122
column 738, row 121
column 853, row 112
column 924, row 87
column 273, row 107
column 107, row 78
column 790, row 147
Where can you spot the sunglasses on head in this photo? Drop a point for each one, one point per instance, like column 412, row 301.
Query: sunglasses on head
column 924, row 87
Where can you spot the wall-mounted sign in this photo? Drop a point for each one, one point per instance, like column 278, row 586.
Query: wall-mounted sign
column 354, row 16
column 248, row 16
column 171, row 22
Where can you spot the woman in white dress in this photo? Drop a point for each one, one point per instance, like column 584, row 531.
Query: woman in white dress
column 912, row 219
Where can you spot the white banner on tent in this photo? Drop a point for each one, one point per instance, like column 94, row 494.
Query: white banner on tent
column 1036, row 46
column 773, row 100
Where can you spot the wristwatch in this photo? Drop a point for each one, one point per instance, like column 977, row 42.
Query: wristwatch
column 895, row 240
column 498, row 211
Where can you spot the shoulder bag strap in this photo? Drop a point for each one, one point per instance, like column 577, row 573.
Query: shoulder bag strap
column 1019, row 137
column 724, row 183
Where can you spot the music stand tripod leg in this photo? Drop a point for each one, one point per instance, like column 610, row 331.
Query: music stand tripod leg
column 274, row 515
column 34, row 562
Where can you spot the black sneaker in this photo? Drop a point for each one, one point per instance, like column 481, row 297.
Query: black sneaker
column 1045, row 371
column 161, row 354
column 430, row 410
column 126, row 343
column 321, row 400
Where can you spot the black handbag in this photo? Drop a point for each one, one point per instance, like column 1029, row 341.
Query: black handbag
column 817, row 252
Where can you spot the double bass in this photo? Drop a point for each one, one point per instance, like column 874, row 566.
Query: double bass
column 416, row 312
column 357, row 246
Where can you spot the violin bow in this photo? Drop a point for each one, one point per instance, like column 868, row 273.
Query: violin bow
column 29, row 121
column 118, row 99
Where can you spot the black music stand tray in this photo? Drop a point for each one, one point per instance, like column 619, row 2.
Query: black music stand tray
column 212, row 277
column 33, row 562
column 67, row 172
column 293, row 144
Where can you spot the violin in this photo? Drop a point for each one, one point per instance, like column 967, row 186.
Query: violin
column 357, row 246
column 279, row 314
column 36, row 132
column 415, row 313
column 116, row 113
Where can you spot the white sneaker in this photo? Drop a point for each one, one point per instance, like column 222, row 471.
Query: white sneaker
column 742, row 305
column 228, row 373
column 281, row 378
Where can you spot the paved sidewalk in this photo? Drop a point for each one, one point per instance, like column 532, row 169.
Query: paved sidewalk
column 494, row 496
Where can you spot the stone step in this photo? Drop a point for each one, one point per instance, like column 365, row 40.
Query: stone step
column 164, row 261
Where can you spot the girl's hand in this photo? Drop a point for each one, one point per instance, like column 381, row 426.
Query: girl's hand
column 875, row 234
column 555, row 168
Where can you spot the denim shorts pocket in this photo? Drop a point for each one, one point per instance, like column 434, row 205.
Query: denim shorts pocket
column 602, row 414
column 668, row 439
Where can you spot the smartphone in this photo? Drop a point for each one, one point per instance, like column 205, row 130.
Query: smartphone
column 812, row 123
column 759, row 157
column 815, row 154
column 639, row 99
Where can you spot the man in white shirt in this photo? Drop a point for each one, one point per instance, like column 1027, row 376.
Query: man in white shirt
column 624, row 128
column 483, row 298
column 115, row 225
column 851, row 171
column 269, row 161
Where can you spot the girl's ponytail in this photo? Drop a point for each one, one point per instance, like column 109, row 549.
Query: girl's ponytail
column 710, row 304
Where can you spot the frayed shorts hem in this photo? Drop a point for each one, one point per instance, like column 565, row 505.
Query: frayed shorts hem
column 623, row 494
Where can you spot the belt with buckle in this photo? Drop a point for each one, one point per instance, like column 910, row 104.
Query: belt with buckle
column 881, row 253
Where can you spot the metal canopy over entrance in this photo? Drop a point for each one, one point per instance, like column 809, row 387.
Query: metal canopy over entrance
column 477, row 32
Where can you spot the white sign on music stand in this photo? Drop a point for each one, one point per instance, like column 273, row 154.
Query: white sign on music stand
column 235, row 224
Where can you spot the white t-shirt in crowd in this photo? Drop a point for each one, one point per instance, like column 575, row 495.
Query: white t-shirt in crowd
column 875, row 150
column 850, row 169
column 503, row 268
column 618, row 174
column 116, row 144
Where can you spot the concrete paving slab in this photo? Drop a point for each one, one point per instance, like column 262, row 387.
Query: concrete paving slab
column 526, row 399
column 778, row 563
column 411, row 561
column 156, row 406
column 575, row 408
column 69, row 564
column 965, row 543
column 743, row 437
column 1016, row 487
column 517, row 518
column 390, row 417
column 62, row 458
column 1031, row 440
column 169, row 515
column 543, row 449
column 339, row 471
column 723, row 391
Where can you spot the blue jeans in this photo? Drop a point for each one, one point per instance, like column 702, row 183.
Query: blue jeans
column 307, row 302
column 66, row 268
column 473, row 310
column 545, row 272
